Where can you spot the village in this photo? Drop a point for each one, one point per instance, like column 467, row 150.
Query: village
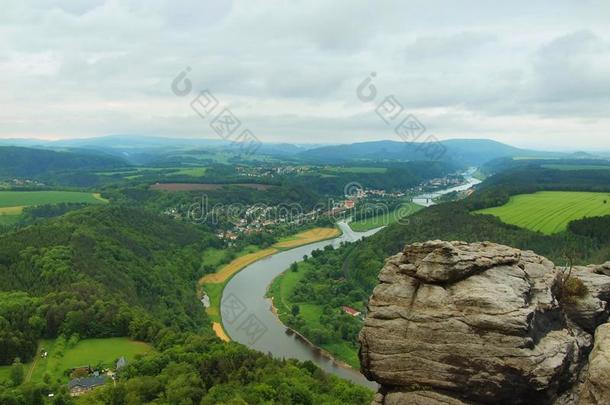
column 257, row 218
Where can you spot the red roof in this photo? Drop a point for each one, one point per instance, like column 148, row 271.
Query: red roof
column 351, row 311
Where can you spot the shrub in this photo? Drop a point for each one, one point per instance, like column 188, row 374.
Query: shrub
column 573, row 289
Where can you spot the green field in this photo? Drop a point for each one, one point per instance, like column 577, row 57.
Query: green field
column 13, row 202
column 385, row 219
column 572, row 167
column 86, row 352
column 29, row 198
column 7, row 220
column 191, row 171
column 356, row 169
column 167, row 171
column 550, row 212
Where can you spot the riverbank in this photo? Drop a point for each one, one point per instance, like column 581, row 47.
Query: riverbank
column 310, row 319
column 260, row 329
column 213, row 284
column 328, row 355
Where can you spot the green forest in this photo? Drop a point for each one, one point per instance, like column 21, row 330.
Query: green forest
column 118, row 271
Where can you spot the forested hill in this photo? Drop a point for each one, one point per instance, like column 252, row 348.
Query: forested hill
column 97, row 272
column 471, row 152
column 33, row 163
column 114, row 271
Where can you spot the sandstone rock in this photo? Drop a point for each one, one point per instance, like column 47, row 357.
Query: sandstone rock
column 420, row 398
column 596, row 388
column 475, row 323
column 592, row 309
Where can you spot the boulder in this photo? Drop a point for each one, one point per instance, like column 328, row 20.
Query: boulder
column 596, row 387
column 479, row 323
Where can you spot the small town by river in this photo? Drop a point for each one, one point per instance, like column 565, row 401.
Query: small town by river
column 248, row 317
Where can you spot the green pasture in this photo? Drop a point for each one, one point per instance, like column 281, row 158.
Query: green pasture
column 386, row 218
column 575, row 167
column 84, row 353
column 550, row 212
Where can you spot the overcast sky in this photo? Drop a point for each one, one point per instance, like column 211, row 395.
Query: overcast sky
column 529, row 73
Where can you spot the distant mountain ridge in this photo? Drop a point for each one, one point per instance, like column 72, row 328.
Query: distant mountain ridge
column 138, row 149
column 29, row 162
column 472, row 152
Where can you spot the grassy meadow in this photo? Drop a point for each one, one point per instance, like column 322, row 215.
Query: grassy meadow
column 385, row 219
column 550, row 212
column 86, row 352
column 12, row 203
column 572, row 167
column 356, row 169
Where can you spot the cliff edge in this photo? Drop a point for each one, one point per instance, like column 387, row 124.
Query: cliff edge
column 457, row 323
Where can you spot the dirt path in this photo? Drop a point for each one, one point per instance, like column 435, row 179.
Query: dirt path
column 28, row 377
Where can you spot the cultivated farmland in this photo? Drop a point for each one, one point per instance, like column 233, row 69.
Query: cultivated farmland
column 550, row 212
column 29, row 198
column 12, row 203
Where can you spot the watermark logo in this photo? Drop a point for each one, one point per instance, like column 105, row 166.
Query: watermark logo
column 181, row 85
column 234, row 311
column 232, row 308
column 256, row 217
column 406, row 127
column 353, row 189
column 402, row 214
column 225, row 123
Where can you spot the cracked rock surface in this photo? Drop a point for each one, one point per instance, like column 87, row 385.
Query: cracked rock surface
column 479, row 323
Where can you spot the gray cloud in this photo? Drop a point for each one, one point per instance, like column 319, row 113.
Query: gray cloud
column 513, row 71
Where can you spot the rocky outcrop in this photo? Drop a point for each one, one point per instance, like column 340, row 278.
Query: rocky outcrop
column 596, row 387
column 458, row 323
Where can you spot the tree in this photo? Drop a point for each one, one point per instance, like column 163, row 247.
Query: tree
column 73, row 341
column 294, row 267
column 296, row 310
column 17, row 374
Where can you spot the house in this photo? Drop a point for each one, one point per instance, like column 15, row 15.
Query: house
column 205, row 300
column 122, row 362
column 349, row 204
column 351, row 311
column 79, row 386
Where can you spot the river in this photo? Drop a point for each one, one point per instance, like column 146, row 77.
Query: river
column 427, row 199
column 247, row 315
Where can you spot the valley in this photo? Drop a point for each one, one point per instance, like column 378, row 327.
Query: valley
column 250, row 202
column 269, row 258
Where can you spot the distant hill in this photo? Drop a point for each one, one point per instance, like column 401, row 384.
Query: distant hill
column 100, row 272
column 147, row 150
column 471, row 152
column 29, row 162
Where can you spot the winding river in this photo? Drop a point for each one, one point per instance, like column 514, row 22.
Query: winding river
column 248, row 318
column 247, row 315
